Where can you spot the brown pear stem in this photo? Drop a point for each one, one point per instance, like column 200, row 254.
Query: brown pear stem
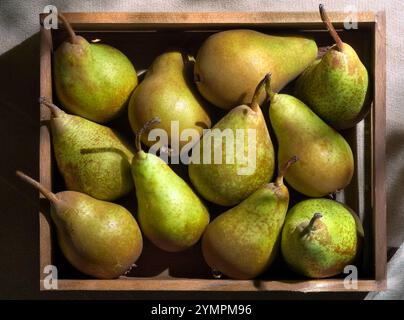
column 330, row 27
column 268, row 88
column 138, row 134
column 54, row 109
column 310, row 226
column 47, row 193
column 72, row 34
column 258, row 90
column 283, row 171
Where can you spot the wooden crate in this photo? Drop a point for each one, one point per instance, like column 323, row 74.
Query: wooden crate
column 142, row 36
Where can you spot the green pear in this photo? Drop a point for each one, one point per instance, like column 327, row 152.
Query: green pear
column 230, row 63
column 170, row 214
column 326, row 160
column 242, row 242
column 92, row 158
column 336, row 87
column 99, row 238
column 92, row 80
column 238, row 164
column 320, row 237
column 168, row 92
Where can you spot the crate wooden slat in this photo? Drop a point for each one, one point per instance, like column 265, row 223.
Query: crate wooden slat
column 45, row 169
column 146, row 22
column 379, row 148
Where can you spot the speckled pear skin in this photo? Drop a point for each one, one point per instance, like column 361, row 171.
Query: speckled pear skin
column 332, row 244
column 326, row 161
column 336, row 87
column 92, row 158
column 242, row 242
column 221, row 183
column 94, row 81
column 169, row 213
column 99, row 238
column 230, row 63
column 169, row 93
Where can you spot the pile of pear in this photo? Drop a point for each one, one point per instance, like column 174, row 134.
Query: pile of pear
column 241, row 72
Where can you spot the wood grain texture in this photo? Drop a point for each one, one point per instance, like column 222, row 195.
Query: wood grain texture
column 152, row 20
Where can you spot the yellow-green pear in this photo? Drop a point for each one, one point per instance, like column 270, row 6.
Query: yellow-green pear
column 92, row 158
column 326, row 161
column 168, row 92
column 242, row 242
column 236, row 157
column 92, row 80
column 320, row 237
column 99, row 238
column 336, row 87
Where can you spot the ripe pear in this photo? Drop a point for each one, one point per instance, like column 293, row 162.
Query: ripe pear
column 168, row 92
column 170, row 214
column 240, row 155
column 243, row 241
column 320, row 237
column 92, row 158
column 336, row 87
column 326, row 160
column 99, row 238
column 92, row 80
column 230, row 63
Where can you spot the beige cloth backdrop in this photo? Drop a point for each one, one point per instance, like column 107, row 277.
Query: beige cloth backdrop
column 19, row 21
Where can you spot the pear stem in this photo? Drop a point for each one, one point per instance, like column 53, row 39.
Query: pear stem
column 55, row 110
column 310, row 226
column 283, row 171
column 138, row 134
column 72, row 34
column 268, row 88
column 330, row 27
column 260, row 87
column 47, row 193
